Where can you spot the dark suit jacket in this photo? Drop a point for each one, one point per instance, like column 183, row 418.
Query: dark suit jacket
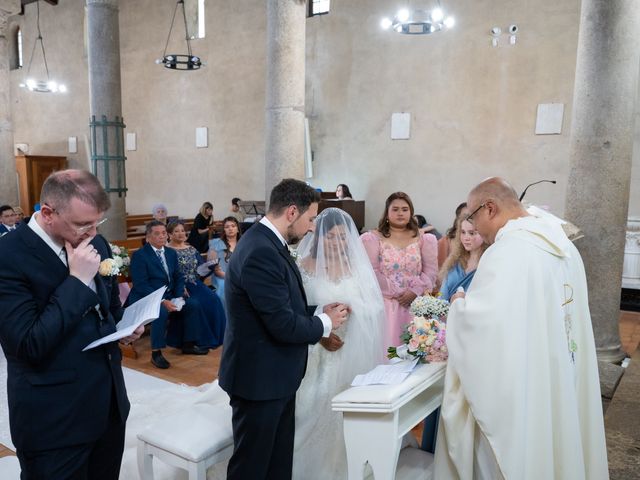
column 148, row 274
column 3, row 229
column 268, row 324
column 58, row 395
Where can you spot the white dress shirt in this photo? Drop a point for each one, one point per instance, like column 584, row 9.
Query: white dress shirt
column 326, row 321
column 56, row 247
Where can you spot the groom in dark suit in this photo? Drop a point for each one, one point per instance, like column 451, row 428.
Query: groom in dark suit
column 154, row 266
column 269, row 328
column 67, row 408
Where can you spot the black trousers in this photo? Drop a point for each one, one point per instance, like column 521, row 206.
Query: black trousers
column 99, row 460
column 263, row 433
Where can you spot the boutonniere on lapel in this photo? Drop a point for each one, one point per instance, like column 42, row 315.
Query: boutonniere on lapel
column 118, row 264
column 293, row 252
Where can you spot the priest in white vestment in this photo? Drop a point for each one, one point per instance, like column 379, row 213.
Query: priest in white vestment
column 522, row 394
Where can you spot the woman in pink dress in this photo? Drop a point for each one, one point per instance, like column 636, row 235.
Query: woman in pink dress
column 405, row 262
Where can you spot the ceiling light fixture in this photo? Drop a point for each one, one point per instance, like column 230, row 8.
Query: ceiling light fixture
column 180, row 61
column 419, row 22
column 42, row 86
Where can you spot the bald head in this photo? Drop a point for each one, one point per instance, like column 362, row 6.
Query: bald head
column 493, row 203
column 496, row 189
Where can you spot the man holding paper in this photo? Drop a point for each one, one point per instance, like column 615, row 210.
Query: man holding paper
column 154, row 266
column 67, row 408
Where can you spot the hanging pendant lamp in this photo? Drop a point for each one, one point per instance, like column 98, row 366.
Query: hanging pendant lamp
column 39, row 85
column 180, row 61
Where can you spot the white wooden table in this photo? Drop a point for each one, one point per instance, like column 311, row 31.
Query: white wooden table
column 376, row 418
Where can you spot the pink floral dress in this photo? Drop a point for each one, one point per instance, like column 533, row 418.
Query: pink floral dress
column 413, row 267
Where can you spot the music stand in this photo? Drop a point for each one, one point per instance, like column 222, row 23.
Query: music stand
column 252, row 208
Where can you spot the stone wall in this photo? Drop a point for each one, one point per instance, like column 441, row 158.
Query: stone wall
column 472, row 106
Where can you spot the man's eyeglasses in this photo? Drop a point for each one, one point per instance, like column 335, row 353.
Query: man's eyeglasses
column 86, row 228
column 469, row 218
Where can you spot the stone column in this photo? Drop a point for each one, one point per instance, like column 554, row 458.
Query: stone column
column 105, row 96
column 8, row 182
column 284, row 127
column 597, row 200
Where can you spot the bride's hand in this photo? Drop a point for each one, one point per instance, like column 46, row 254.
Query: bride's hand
column 332, row 343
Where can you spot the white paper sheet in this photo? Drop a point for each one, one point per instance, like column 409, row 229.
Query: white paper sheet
column 144, row 311
column 206, row 268
column 386, row 374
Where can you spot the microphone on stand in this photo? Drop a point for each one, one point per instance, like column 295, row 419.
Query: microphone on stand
column 532, row 184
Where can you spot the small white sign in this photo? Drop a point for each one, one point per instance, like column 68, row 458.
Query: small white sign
column 400, row 126
column 131, row 144
column 73, row 144
column 202, row 137
column 549, row 118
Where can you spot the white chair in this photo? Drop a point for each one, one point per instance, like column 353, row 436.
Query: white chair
column 194, row 440
column 9, row 468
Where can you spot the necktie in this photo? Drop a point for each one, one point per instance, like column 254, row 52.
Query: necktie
column 63, row 256
column 164, row 264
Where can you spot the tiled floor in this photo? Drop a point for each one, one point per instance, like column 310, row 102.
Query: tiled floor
column 196, row 370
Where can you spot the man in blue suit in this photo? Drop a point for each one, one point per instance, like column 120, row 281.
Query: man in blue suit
column 269, row 329
column 8, row 218
column 152, row 267
column 67, row 408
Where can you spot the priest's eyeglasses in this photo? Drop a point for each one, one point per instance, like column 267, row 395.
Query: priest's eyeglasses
column 470, row 217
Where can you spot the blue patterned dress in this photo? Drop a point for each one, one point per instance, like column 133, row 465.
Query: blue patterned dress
column 213, row 328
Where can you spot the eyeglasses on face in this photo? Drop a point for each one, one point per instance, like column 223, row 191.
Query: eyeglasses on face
column 80, row 230
column 469, row 217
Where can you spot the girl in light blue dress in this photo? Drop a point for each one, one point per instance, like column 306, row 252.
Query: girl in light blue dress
column 460, row 266
column 220, row 250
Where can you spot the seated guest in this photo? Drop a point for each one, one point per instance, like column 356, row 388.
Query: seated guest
column 236, row 212
column 212, row 333
column 460, row 266
column 19, row 214
column 343, row 193
column 221, row 249
column 152, row 267
column 444, row 244
column 426, row 227
column 199, row 234
column 159, row 212
column 7, row 219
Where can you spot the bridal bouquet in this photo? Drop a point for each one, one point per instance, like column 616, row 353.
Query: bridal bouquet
column 425, row 336
column 118, row 264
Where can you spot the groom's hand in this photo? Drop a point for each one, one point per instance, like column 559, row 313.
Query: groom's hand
column 338, row 313
column 332, row 343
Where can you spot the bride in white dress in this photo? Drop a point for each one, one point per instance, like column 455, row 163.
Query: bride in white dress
column 334, row 268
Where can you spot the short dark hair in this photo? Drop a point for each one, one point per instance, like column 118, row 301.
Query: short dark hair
column 235, row 200
column 172, row 225
column 4, row 208
column 292, row 192
column 151, row 224
column 60, row 187
column 422, row 222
